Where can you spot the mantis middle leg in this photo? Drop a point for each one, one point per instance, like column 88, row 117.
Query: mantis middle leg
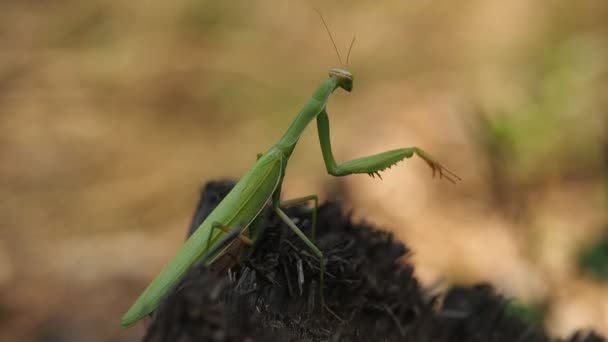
column 315, row 250
column 315, row 200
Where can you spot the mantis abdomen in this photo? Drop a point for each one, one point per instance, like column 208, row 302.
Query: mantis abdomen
column 238, row 209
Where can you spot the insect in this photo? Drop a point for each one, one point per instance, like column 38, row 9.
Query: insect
column 237, row 215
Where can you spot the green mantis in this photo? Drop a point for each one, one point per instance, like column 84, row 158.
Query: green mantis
column 238, row 213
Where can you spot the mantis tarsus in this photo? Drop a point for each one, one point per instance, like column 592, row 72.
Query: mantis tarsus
column 237, row 215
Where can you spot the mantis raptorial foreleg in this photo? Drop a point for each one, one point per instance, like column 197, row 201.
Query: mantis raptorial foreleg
column 315, row 200
column 373, row 164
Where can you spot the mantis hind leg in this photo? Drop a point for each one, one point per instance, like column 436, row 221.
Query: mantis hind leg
column 230, row 236
column 314, row 249
column 224, row 228
column 255, row 230
column 210, row 255
column 315, row 200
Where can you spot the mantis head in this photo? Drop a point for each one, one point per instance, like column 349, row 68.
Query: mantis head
column 343, row 77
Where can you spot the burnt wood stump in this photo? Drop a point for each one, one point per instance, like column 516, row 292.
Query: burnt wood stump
column 274, row 294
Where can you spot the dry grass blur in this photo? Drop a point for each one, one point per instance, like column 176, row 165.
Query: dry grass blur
column 112, row 114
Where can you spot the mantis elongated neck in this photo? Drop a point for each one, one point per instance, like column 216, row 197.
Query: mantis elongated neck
column 310, row 111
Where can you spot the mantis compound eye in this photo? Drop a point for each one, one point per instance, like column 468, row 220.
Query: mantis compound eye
column 344, row 77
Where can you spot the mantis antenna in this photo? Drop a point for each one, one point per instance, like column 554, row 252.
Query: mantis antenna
column 350, row 48
column 330, row 36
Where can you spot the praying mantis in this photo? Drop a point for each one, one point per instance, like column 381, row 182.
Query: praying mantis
column 237, row 216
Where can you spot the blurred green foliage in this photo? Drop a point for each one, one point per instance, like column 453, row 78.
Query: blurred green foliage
column 593, row 258
column 556, row 126
column 533, row 314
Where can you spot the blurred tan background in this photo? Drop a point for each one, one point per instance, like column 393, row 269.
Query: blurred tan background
column 113, row 114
